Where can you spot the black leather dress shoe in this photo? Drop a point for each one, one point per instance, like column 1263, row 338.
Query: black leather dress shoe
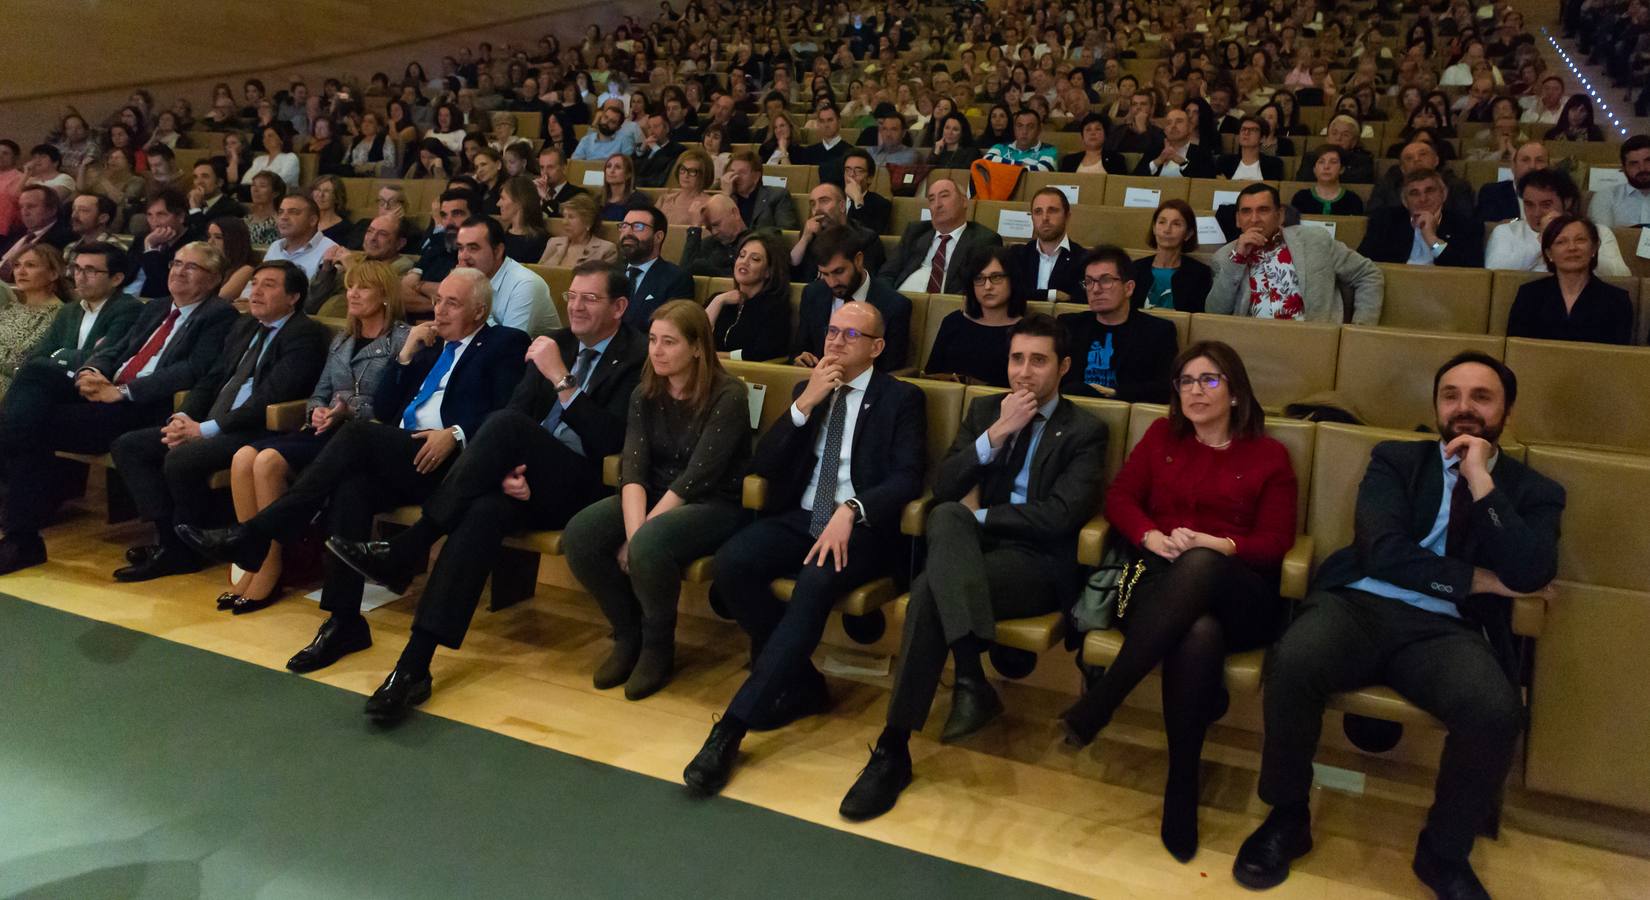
column 804, row 697
column 878, row 787
column 335, row 640
column 1450, row 880
column 162, row 562
column 973, row 705
column 18, row 553
column 374, row 561
column 244, row 605
column 1263, row 860
column 140, row 553
column 397, row 696
column 712, row 766
column 231, row 545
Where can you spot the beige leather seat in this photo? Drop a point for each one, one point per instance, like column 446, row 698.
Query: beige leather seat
column 1286, row 361
column 1387, row 374
column 1434, row 298
column 1586, row 395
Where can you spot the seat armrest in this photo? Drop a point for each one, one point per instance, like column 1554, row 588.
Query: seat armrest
column 285, row 417
column 1297, row 568
column 755, row 494
column 1529, row 614
column 177, row 399
column 1091, row 541
column 610, row 470
column 913, row 520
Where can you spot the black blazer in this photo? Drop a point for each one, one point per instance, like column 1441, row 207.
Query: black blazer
column 817, row 155
column 815, row 317
column 1113, row 163
column 1067, row 478
column 225, row 205
column 1067, row 275
column 194, row 349
column 156, row 265
column 1390, row 237
column 1498, row 201
column 1514, row 534
column 597, row 414
column 652, row 170
column 960, row 158
column 913, row 249
column 1190, row 283
column 1200, row 163
column 481, row 381
column 552, row 205
column 288, row 371
column 874, row 213
column 890, row 437
column 664, row 281
column 1271, row 168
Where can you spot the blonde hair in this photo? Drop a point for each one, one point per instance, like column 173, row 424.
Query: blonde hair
column 56, row 269
column 372, row 273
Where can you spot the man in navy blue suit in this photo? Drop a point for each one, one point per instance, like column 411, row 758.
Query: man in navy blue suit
column 653, row 280
column 453, row 371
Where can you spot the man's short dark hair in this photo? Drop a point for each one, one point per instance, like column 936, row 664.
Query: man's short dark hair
column 160, row 151
column 863, row 154
column 1042, row 325
column 1509, row 381
column 293, row 280
column 1633, row 145
column 1052, row 191
column 48, row 151
column 1262, row 188
column 1554, row 180
column 661, row 224
column 495, row 229
column 615, row 284
column 218, row 165
column 453, row 194
column 1113, row 254
column 11, row 145
column 1028, row 111
column 839, row 240
column 105, row 205
column 114, row 258
column 305, row 199
column 49, row 193
column 175, row 202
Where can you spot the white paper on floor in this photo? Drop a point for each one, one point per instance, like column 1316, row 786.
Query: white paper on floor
column 374, row 596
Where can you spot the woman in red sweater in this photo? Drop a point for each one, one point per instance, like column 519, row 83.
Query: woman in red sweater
column 1208, row 501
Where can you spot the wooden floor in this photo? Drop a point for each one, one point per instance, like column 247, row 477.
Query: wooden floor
column 1011, row 799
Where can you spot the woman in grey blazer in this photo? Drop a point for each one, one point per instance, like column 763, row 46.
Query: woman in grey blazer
column 356, row 362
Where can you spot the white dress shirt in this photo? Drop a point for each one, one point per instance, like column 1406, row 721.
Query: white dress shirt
column 306, row 256
column 1046, row 264
column 1620, row 206
column 853, row 396
column 1514, row 245
column 918, row 281
column 88, row 320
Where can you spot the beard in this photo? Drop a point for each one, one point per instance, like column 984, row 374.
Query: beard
column 1471, row 423
column 1640, row 181
column 605, row 130
column 630, row 248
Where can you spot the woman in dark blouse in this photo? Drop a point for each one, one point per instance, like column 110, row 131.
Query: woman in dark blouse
column 1327, row 196
column 522, row 213
column 686, row 445
column 1207, row 502
column 753, row 318
column 1573, row 304
column 953, row 146
column 1169, row 278
column 972, row 342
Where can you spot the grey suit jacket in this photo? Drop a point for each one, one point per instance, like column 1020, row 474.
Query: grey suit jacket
column 1324, row 265
column 913, row 249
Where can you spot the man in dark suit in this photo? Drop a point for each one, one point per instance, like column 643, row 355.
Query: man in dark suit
column 652, row 279
column 208, row 198
column 553, row 187
column 99, row 272
column 1424, row 231
column 124, row 385
column 271, row 356
column 930, row 255
column 452, row 372
column 761, row 205
column 1220, row 103
column 1051, row 261
column 533, row 465
column 656, row 153
column 45, row 221
column 841, row 465
column 1018, row 483
column 827, row 208
column 1447, row 534
column 1175, row 155
column 866, row 207
column 167, row 213
column 1498, row 201
column 843, row 278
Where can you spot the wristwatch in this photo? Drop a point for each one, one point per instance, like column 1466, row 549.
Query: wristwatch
column 1438, row 247
column 858, row 508
column 566, row 383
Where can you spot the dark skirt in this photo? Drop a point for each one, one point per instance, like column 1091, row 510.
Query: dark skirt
column 298, row 448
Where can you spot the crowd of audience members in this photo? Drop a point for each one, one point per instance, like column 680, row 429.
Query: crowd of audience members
column 453, row 382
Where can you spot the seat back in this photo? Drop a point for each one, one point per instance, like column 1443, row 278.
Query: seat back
column 1091, row 189
column 1182, row 323
column 1286, row 361
column 1504, row 291
column 1349, row 230
column 1117, row 188
column 1386, row 374
column 1600, row 488
column 780, row 381
column 559, row 279
column 990, row 213
column 1581, row 394
column 1092, row 226
column 1203, row 191
column 939, row 306
column 1338, row 465
column 944, row 400
column 1434, row 298
column 905, row 211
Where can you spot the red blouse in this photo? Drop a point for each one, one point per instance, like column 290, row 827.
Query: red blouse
column 1245, row 492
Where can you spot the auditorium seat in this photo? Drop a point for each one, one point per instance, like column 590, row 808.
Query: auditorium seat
column 1203, row 191
column 1386, row 374
column 1286, row 361
column 990, row 214
column 559, row 278
column 1091, row 189
column 1585, row 395
column 1182, row 322
column 1434, row 298
column 1092, row 226
column 939, row 306
column 1349, row 230
column 906, row 210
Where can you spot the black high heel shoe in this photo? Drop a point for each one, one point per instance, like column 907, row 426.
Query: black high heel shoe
column 227, row 600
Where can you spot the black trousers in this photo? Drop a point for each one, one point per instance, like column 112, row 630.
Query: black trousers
column 784, row 635
column 1348, row 639
column 971, row 581
column 169, row 486
column 476, row 516
column 43, row 413
column 365, row 469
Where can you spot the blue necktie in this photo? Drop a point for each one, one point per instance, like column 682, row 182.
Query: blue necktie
column 432, row 383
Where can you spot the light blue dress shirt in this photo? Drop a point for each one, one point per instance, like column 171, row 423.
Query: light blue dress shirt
column 210, row 428
column 1022, row 479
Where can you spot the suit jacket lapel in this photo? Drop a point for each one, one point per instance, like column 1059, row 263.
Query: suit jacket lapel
column 1052, row 431
column 1429, row 492
column 873, row 392
column 608, row 361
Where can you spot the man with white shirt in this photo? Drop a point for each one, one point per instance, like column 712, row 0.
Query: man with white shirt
column 929, row 258
column 1050, row 262
column 521, row 299
column 1545, row 107
column 124, row 385
column 1627, row 204
column 103, row 313
column 302, row 244
column 840, row 468
column 890, row 148
column 1461, row 74
column 1546, row 195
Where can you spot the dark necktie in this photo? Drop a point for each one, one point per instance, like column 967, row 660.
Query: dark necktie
column 582, row 368
column 830, row 460
column 242, row 374
column 936, row 271
column 634, row 273
column 1460, row 517
column 1003, row 486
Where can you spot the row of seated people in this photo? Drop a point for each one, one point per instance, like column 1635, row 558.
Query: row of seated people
column 1448, row 530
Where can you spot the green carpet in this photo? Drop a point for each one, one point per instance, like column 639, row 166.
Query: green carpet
column 131, row 766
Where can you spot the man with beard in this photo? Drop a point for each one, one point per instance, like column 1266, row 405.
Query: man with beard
column 422, row 283
column 605, row 137
column 1447, row 533
column 651, row 279
column 1626, row 205
column 843, row 277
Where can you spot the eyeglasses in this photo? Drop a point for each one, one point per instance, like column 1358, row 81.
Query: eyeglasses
column 848, row 334
column 86, row 270
column 685, row 170
column 569, row 296
column 637, row 227
column 1106, row 282
column 991, row 278
column 1209, row 382
column 187, row 268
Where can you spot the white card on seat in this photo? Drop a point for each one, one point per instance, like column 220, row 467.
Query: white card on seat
column 592, row 177
column 1209, row 233
column 778, row 181
column 1225, row 198
column 1070, row 190
column 1326, row 226
column 1014, row 223
column 1142, row 198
